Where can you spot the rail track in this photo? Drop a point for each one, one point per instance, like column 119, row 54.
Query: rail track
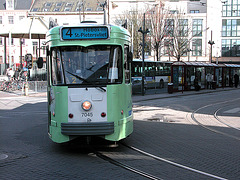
column 147, row 175
column 200, row 119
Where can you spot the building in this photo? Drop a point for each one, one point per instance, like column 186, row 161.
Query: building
column 215, row 24
column 11, row 11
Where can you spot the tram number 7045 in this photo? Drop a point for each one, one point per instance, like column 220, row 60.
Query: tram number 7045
column 87, row 114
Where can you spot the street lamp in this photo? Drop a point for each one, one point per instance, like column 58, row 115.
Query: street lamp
column 211, row 42
column 188, row 51
column 143, row 31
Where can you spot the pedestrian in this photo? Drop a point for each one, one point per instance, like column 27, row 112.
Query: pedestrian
column 236, row 80
column 10, row 73
column 16, row 74
column 208, row 78
column 196, row 85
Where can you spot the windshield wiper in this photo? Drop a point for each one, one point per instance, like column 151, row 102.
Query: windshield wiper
column 84, row 80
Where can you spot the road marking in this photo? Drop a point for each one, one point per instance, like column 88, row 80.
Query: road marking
column 176, row 164
column 3, row 156
column 234, row 110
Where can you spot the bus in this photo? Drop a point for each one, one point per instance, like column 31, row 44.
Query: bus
column 89, row 82
column 157, row 73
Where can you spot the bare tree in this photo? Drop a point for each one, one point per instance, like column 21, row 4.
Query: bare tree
column 157, row 16
column 179, row 35
column 131, row 21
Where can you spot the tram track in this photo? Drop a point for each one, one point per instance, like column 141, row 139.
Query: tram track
column 202, row 111
column 200, row 121
column 220, row 120
column 127, row 167
column 147, row 175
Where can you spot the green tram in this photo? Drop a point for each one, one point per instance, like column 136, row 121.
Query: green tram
column 89, row 82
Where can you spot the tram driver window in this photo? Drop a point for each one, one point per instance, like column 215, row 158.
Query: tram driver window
column 57, row 73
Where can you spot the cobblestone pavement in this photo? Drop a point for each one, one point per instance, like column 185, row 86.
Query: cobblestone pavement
column 162, row 126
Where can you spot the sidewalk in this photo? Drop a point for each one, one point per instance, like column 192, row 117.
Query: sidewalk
column 138, row 98
column 31, row 93
column 151, row 95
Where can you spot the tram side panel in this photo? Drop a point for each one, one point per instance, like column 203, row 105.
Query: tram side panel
column 58, row 112
column 120, row 111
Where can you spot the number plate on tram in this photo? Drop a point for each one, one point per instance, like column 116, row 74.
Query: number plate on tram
column 84, row 33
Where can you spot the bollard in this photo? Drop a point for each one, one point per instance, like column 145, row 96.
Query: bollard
column 26, row 89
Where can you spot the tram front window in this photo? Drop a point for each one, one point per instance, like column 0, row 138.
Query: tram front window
column 88, row 65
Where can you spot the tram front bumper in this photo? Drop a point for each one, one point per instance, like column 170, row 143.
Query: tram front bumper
column 99, row 128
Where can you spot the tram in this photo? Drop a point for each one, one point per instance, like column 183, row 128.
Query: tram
column 89, row 82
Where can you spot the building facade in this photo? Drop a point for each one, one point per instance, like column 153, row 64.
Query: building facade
column 215, row 24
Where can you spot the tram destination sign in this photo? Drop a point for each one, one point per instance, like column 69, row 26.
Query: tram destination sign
column 84, row 33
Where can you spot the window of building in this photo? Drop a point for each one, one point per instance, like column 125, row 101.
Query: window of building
column 194, row 11
column 35, row 46
column 168, row 47
column 197, row 27
column 1, row 20
column 10, row 4
column 79, row 9
column 10, row 20
column 35, row 10
column 67, row 9
column 230, row 27
column 88, row 9
column 21, row 17
column 183, row 27
column 48, row 4
column 1, row 41
column 231, row 8
column 169, row 27
column 59, row 4
column 173, row 12
column 56, row 9
column 197, row 47
column 69, row 5
column 1, row 60
column 230, row 48
column 99, row 9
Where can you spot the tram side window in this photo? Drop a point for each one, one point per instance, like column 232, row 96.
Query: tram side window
column 115, row 64
column 57, row 73
column 126, row 65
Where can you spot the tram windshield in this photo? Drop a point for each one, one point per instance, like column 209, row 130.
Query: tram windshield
column 91, row 65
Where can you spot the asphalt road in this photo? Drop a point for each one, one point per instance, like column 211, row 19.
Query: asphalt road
column 163, row 127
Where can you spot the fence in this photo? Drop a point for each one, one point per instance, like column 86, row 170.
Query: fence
column 37, row 86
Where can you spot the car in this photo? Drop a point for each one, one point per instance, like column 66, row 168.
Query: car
column 137, row 85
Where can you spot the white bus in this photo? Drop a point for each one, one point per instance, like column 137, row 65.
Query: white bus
column 157, row 73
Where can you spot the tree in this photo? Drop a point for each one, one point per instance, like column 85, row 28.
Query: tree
column 157, row 16
column 132, row 23
column 179, row 34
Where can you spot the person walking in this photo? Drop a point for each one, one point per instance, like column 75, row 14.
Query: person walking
column 236, row 80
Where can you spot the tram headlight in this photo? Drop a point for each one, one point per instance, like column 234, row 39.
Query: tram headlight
column 86, row 105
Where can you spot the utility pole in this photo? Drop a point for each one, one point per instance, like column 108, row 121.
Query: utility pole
column 143, row 31
column 103, row 5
